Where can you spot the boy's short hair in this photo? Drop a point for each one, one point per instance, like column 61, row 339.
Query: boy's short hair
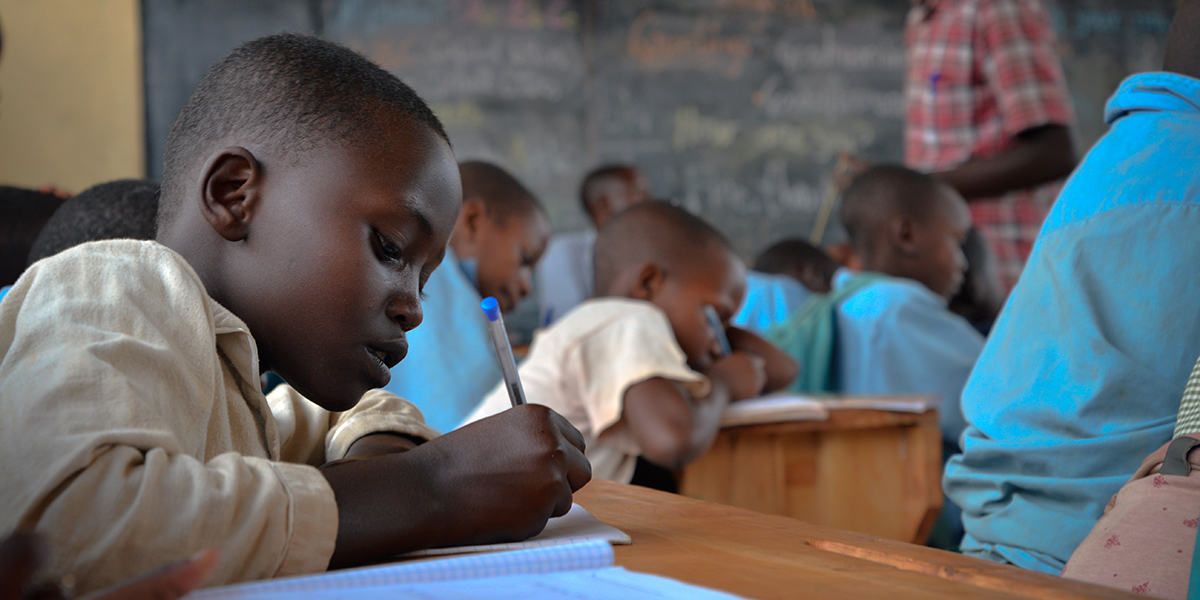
column 23, row 213
column 881, row 193
column 653, row 230
column 125, row 208
column 288, row 91
column 794, row 255
column 502, row 195
column 594, row 182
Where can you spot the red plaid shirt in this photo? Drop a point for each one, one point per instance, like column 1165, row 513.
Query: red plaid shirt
column 979, row 73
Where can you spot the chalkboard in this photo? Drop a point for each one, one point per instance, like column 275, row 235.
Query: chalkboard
column 736, row 108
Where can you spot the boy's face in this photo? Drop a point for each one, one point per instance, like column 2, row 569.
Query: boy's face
column 720, row 282
column 343, row 238
column 507, row 252
column 940, row 259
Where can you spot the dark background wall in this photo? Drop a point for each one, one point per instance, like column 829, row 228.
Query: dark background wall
column 737, row 108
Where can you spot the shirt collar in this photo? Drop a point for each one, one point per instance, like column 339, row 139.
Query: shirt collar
column 1154, row 92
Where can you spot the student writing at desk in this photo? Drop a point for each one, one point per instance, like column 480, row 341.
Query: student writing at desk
column 498, row 238
column 638, row 369
column 307, row 196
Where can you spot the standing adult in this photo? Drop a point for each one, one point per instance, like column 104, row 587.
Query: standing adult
column 988, row 112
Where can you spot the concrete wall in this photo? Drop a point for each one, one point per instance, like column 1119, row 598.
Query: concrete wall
column 71, row 100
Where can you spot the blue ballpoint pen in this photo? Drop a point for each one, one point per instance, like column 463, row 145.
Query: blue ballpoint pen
column 508, row 366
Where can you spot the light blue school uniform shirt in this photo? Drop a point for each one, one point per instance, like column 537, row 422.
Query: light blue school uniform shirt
column 564, row 274
column 4, row 291
column 896, row 336
column 770, row 299
column 1081, row 377
column 450, row 364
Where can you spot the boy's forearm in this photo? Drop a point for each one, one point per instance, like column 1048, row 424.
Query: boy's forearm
column 671, row 427
column 387, row 505
column 379, row 444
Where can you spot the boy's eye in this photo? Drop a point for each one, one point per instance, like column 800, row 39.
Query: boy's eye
column 387, row 250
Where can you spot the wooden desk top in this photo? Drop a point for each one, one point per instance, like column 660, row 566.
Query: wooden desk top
column 765, row 557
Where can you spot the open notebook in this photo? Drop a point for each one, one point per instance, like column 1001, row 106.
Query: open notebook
column 583, row 571
column 783, row 407
column 578, row 525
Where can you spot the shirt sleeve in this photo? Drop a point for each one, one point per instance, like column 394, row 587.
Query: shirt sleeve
column 637, row 346
column 110, row 388
column 1016, row 45
column 312, row 435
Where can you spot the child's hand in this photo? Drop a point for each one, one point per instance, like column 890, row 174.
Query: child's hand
column 495, row 480
column 743, row 373
column 510, row 472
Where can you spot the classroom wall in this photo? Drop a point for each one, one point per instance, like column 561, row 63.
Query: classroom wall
column 71, row 92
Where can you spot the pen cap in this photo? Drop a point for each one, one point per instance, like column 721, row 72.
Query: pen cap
column 491, row 308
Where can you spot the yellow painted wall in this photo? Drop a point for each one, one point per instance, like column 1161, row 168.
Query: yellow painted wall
column 71, row 106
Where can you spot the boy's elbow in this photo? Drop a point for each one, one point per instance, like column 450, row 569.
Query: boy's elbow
column 670, row 450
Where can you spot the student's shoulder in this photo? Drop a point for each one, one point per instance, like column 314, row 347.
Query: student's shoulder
column 118, row 261
column 597, row 315
column 887, row 296
column 113, row 274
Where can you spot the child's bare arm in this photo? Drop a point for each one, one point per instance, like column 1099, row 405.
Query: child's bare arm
column 780, row 368
column 495, row 480
column 673, row 428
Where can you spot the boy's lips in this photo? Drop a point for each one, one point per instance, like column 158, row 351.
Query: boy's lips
column 389, row 353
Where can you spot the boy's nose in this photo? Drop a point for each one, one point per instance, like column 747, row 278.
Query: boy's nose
column 405, row 308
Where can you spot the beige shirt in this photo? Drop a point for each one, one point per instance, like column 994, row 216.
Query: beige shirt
column 581, row 366
column 135, row 432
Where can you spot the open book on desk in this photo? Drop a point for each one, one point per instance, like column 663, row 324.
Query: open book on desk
column 783, row 407
column 578, row 525
column 584, row 571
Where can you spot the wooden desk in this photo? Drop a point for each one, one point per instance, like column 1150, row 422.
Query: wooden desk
column 766, row 557
column 868, row 471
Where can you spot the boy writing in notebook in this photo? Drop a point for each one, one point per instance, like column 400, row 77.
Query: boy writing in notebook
column 638, row 369
column 307, row 196
column 498, row 238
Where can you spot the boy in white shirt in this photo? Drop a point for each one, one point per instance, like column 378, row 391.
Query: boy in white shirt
column 638, row 370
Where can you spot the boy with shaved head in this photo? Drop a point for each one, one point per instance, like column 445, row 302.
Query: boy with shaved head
column 638, row 369
column 564, row 277
column 307, row 195
column 894, row 334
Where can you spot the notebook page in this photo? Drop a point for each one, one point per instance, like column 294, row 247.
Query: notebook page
column 566, row 557
column 578, row 525
column 612, row 583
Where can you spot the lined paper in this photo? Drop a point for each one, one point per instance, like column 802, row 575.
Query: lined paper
column 549, row 559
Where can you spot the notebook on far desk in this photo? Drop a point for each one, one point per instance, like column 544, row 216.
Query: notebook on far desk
column 783, row 407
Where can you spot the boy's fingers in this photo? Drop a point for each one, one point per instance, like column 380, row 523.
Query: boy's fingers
column 579, row 471
column 20, row 556
column 569, row 432
column 167, row 583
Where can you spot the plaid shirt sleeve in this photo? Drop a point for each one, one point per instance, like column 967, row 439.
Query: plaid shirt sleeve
column 1015, row 43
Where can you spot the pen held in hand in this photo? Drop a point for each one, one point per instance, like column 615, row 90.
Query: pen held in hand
column 714, row 321
column 508, row 366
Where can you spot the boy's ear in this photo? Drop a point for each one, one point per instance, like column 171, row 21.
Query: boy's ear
column 902, row 235
column 229, row 193
column 648, row 282
column 465, row 237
